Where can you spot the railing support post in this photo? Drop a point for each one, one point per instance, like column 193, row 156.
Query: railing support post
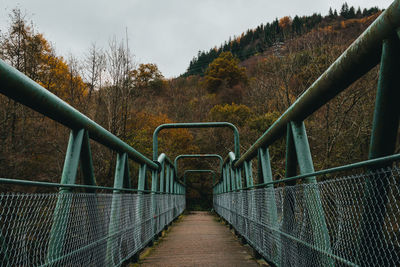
column 248, row 171
column 312, row 195
column 162, row 177
column 265, row 166
column 154, row 207
column 228, row 179
column 121, row 180
column 288, row 197
column 61, row 212
column 383, row 143
column 232, row 176
column 167, row 179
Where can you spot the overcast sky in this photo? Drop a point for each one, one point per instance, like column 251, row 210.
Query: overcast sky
column 165, row 32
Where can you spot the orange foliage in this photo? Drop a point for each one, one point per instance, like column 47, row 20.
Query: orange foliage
column 285, row 22
column 171, row 141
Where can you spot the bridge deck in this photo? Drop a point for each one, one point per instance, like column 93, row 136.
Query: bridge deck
column 199, row 240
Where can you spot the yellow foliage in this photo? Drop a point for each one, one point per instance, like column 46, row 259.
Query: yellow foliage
column 236, row 114
column 224, row 69
column 171, row 141
column 285, row 22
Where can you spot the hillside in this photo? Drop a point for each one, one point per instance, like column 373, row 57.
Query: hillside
column 273, row 34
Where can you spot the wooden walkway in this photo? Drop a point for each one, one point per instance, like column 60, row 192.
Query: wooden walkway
column 199, row 240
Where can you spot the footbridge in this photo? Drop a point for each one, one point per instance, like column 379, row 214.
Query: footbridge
column 309, row 218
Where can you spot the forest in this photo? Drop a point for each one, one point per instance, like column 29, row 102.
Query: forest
column 250, row 80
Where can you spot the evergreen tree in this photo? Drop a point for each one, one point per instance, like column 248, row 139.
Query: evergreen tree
column 330, row 14
column 344, row 11
column 352, row 13
column 359, row 14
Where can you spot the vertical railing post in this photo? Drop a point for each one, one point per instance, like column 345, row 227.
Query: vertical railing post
column 289, row 200
column 61, row 212
column 141, row 204
column 272, row 214
column 233, row 177
column 383, row 143
column 224, row 186
column 239, row 177
column 86, row 164
column 167, row 179
column 154, row 202
column 248, row 170
column 171, row 182
column 312, row 195
column 121, row 180
column 162, row 175
column 228, row 179
column 142, row 177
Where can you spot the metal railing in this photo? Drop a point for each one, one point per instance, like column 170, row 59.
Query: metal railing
column 345, row 220
column 69, row 228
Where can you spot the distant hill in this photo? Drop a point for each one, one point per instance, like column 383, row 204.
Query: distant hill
column 262, row 38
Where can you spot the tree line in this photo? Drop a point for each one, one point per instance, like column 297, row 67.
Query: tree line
column 260, row 39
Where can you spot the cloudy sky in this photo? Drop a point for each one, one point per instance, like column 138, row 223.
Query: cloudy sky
column 166, row 32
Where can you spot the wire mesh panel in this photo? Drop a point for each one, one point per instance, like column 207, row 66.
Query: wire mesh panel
column 88, row 235
column 359, row 234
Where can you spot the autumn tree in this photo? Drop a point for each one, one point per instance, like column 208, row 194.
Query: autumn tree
column 147, row 76
column 224, row 70
column 27, row 138
column 236, row 114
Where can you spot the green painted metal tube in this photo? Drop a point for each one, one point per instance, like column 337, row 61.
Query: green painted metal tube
column 231, row 157
column 361, row 56
column 232, row 176
column 228, row 179
column 383, row 143
column 248, row 172
column 22, row 89
column 121, row 180
column 162, row 177
column 64, row 202
column 142, row 177
column 272, row 213
column 197, row 156
column 311, row 194
column 195, row 125
column 289, row 199
column 232, row 173
column 163, row 157
column 71, row 186
column 360, row 164
column 86, row 163
column 171, row 182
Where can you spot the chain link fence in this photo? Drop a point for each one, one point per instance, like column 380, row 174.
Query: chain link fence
column 361, row 214
column 81, row 229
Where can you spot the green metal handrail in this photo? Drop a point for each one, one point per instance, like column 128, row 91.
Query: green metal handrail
column 22, row 89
